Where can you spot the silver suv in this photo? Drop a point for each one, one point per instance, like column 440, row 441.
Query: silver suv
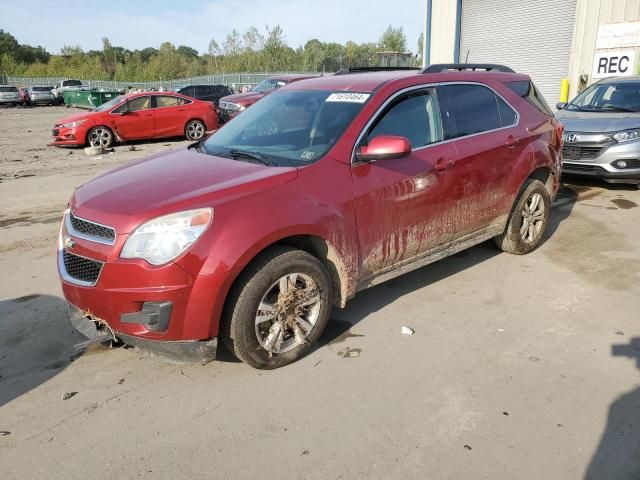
column 602, row 131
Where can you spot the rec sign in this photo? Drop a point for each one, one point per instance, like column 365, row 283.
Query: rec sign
column 614, row 64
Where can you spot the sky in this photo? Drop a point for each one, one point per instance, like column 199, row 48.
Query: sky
column 136, row 24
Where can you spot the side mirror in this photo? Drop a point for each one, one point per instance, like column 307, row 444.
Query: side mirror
column 384, row 147
column 561, row 105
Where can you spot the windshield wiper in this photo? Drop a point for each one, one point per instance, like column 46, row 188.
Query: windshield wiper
column 619, row 109
column 251, row 155
column 195, row 145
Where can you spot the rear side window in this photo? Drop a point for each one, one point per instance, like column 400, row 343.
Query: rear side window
column 531, row 94
column 507, row 115
column 168, row 101
column 414, row 116
column 470, row 109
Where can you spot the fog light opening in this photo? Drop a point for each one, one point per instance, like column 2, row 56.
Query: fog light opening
column 620, row 164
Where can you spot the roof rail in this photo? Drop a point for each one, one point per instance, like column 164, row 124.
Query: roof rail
column 443, row 67
column 347, row 71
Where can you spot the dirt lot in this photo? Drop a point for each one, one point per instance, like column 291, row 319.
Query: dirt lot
column 511, row 373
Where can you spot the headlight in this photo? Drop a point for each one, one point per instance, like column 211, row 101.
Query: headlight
column 232, row 106
column 627, row 135
column 164, row 238
column 73, row 124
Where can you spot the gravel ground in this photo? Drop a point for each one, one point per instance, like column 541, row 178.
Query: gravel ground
column 513, row 371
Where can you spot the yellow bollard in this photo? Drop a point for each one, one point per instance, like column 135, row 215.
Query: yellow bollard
column 564, row 90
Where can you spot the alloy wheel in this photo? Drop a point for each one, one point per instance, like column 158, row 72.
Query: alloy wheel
column 533, row 216
column 100, row 137
column 195, row 130
column 287, row 313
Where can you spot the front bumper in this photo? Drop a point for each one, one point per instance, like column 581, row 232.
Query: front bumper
column 69, row 136
column 185, row 351
column 599, row 159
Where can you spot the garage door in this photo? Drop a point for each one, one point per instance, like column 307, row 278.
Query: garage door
column 532, row 37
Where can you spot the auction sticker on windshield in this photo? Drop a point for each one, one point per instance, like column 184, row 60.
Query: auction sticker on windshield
column 348, row 97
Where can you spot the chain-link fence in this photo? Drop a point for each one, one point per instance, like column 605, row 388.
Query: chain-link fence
column 234, row 80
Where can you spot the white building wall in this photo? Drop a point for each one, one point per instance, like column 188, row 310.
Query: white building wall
column 590, row 14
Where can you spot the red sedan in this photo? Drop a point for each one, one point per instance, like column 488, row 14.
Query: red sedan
column 137, row 116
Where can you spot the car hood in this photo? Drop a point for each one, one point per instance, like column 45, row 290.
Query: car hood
column 76, row 117
column 598, row 122
column 169, row 182
column 246, row 98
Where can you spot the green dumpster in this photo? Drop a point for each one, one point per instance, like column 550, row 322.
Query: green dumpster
column 88, row 98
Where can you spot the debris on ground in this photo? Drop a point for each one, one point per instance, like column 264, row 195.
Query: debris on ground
column 97, row 150
column 468, row 447
column 506, row 414
column 4, row 433
column 407, row 330
column 132, row 148
column 68, row 395
column 619, row 332
column 121, row 381
column 306, row 452
column 501, row 329
column 350, row 352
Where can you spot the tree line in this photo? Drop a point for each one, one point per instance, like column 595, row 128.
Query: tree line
column 250, row 51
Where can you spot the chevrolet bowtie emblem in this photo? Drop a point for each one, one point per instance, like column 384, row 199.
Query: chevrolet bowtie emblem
column 68, row 243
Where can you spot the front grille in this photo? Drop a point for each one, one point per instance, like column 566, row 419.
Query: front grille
column 92, row 230
column 581, row 153
column 81, row 268
column 582, row 168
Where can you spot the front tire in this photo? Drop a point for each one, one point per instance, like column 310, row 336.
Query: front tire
column 279, row 308
column 100, row 136
column 195, row 130
column 528, row 220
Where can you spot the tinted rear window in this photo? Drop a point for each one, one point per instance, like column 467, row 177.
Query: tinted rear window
column 71, row 83
column 42, row 89
column 468, row 109
column 531, row 94
column 8, row 89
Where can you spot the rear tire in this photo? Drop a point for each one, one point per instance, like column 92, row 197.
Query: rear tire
column 284, row 287
column 528, row 220
column 195, row 130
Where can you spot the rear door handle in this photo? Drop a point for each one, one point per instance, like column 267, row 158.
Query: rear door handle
column 512, row 141
column 443, row 164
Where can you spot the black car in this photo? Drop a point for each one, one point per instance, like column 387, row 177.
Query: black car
column 208, row 93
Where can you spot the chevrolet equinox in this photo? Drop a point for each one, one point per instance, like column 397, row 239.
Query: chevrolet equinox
column 326, row 187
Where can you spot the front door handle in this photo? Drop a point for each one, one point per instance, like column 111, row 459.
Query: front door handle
column 443, row 164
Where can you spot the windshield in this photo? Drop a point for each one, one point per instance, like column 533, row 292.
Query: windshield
column 611, row 97
column 269, row 84
column 42, row 89
column 288, row 128
column 107, row 105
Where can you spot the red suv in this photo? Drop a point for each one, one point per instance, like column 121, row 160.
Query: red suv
column 137, row 116
column 322, row 189
column 232, row 105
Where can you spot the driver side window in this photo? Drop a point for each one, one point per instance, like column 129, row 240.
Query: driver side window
column 139, row 103
column 414, row 116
